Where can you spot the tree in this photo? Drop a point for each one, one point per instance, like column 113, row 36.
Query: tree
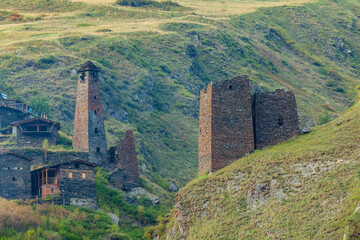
column 40, row 105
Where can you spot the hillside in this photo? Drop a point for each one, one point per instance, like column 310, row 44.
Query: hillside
column 305, row 188
column 155, row 62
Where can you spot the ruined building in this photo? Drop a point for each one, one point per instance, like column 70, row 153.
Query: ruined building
column 89, row 129
column 233, row 123
column 276, row 117
column 125, row 173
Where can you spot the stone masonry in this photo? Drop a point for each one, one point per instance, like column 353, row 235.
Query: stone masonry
column 77, row 184
column 15, row 177
column 226, row 123
column 276, row 118
column 89, row 129
column 126, row 174
column 232, row 123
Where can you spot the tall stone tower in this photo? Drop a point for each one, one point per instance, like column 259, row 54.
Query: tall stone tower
column 226, row 123
column 89, row 129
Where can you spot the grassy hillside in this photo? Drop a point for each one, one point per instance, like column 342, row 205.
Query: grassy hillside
column 156, row 61
column 305, row 188
column 22, row 221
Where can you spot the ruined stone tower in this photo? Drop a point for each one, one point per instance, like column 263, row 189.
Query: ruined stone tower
column 225, row 124
column 275, row 117
column 233, row 123
column 89, row 129
column 126, row 174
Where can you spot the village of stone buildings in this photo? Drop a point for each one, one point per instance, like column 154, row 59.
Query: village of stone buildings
column 232, row 123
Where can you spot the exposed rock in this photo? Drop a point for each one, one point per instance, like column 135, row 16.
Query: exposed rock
column 306, row 129
column 115, row 219
column 173, row 187
column 140, row 192
column 339, row 123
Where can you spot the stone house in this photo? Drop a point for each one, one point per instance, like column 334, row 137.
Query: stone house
column 33, row 132
column 15, row 176
column 73, row 182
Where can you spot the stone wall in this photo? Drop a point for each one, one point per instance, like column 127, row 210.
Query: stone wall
column 36, row 139
column 231, row 133
column 276, row 118
column 89, row 129
column 126, row 175
column 78, row 191
column 10, row 115
column 15, row 177
column 205, row 130
column 43, row 157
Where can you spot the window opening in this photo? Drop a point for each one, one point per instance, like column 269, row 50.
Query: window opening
column 77, row 165
column 82, row 77
column 70, row 175
column 94, row 97
column 95, row 112
column 230, row 87
column 13, row 179
column 83, row 175
column 96, row 130
column 52, row 190
column 98, row 149
column 280, row 121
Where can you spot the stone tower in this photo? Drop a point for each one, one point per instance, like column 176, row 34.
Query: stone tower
column 89, row 129
column 225, row 123
column 275, row 117
column 126, row 174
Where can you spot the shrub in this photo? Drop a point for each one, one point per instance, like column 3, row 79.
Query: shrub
column 324, row 118
column 164, row 5
column 16, row 17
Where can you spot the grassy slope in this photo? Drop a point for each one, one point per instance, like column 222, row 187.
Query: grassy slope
column 317, row 172
column 22, row 221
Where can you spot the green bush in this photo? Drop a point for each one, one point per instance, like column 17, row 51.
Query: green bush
column 165, row 5
column 324, row 118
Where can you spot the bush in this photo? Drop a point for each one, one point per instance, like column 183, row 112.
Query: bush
column 165, row 5
column 324, row 118
column 119, row 236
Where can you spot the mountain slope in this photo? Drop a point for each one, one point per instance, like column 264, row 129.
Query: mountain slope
column 155, row 62
column 305, row 188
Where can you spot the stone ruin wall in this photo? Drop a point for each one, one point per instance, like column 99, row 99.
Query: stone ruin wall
column 205, row 130
column 232, row 123
column 276, row 117
column 126, row 174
